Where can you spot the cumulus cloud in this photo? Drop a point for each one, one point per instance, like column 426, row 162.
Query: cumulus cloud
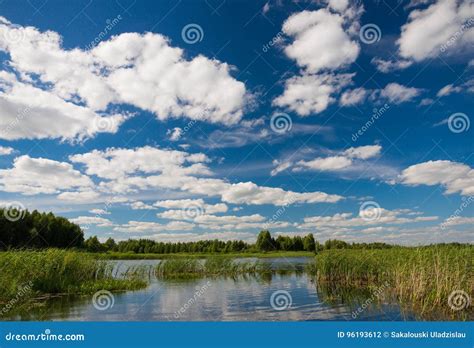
column 76, row 87
column 87, row 196
column 146, row 168
column 319, row 40
column 29, row 112
column 348, row 220
column 454, row 176
column 309, row 94
column 32, row 176
column 444, row 23
column 323, row 42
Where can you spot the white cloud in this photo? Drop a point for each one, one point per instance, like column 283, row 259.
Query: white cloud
column 397, row 94
column 6, row 150
column 280, row 167
column 459, row 220
column 33, row 113
column 341, row 160
column 137, row 205
column 116, row 163
column 338, row 5
column 447, row 90
column 92, row 220
column 74, row 86
column 175, row 133
column 353, row 96
column 192, row 204
column 309, row 94
column 153, row 227
column 32, row 176
column 387, row 66
column 363, row 152
column 132, row 170
column 86, row 196
column 99, row 211
column 326, row 164
column 456, row 177
column 319, row 40
column 347, row 220
column 323, row 42
column 442, row 23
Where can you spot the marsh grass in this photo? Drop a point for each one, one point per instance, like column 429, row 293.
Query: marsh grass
column 56, row 271
column 211, row 266
column 420, row 278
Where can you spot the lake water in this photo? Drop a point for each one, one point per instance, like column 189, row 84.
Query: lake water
column 289, row 294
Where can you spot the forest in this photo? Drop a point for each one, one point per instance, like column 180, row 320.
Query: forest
column 35, row 230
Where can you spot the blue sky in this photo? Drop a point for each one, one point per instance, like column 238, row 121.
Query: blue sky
column 187, row 120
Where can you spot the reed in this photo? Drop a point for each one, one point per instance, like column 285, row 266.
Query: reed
column 421, row 278
column 55, row 271
column 211, row 266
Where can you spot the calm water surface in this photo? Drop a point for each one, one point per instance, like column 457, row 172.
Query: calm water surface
column 245, row 298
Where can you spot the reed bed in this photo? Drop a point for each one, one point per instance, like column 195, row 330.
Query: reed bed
column 421, row 278
column 54, row 271
column 212, row 266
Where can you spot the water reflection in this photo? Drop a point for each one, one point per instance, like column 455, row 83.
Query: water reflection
column 238, row 298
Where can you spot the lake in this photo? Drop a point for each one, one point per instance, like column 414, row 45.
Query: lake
column 288, row 294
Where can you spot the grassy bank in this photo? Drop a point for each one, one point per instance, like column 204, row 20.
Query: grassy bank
column 212, row 266
column 54, row 271
column 134, row 256
column 421, row 278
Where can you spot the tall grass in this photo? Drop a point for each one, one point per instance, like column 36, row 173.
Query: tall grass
column 56, row 271
column 422, row 278
column 211, row 266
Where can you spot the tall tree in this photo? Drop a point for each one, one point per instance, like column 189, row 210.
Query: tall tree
column 265, row 241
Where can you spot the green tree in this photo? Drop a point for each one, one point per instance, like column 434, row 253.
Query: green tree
column 93, row 245
column 309, row 243
column 265, row 241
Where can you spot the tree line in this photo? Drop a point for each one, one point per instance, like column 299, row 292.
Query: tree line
column 24, row 229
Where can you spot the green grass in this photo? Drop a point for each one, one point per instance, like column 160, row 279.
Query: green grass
column 420, row 278
column 211, row 266
column 133, row 256
column 56, row 271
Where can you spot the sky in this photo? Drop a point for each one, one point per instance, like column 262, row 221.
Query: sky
column 191, row 120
